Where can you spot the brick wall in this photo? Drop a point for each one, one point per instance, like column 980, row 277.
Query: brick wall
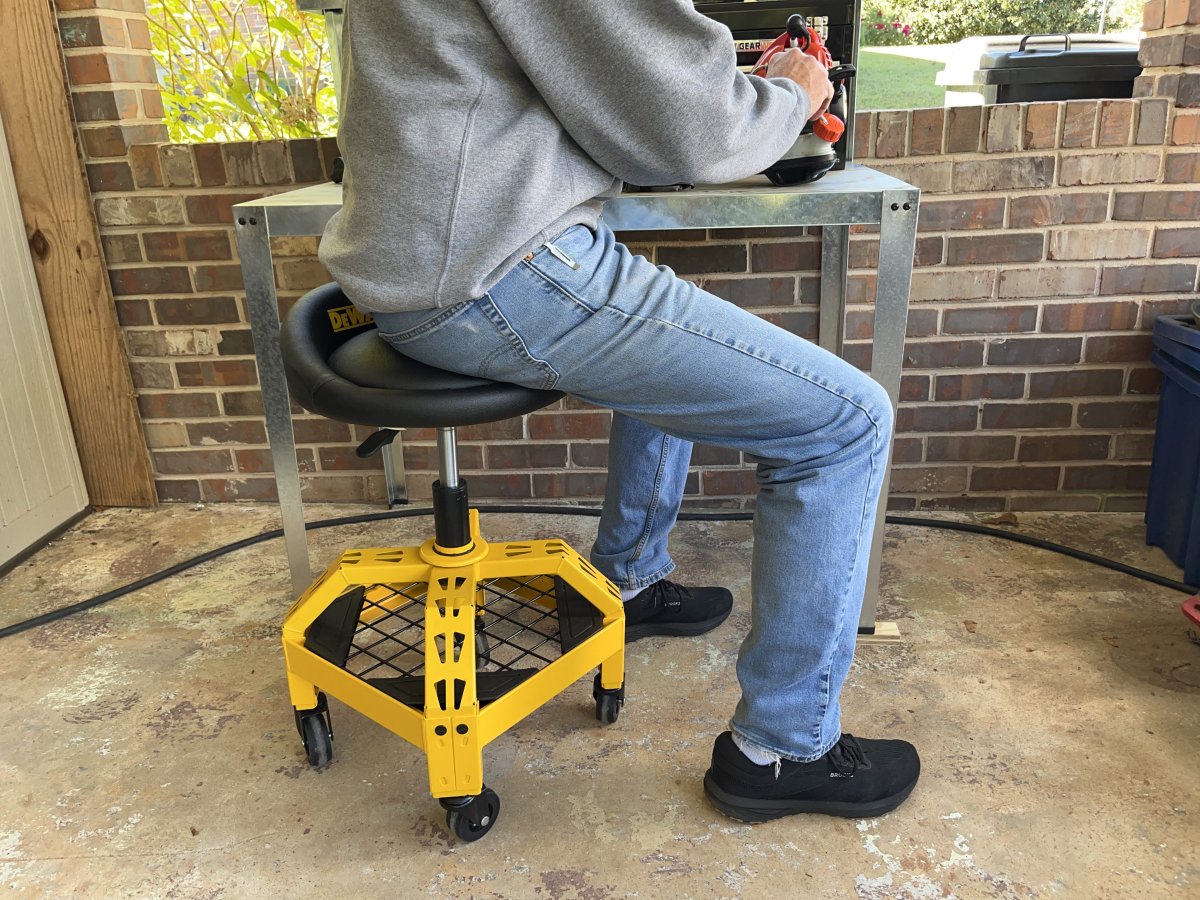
column 114, row 85
column 1050, row 236
column 1170, row 57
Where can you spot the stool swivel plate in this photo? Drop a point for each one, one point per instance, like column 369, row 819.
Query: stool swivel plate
column 450, row 643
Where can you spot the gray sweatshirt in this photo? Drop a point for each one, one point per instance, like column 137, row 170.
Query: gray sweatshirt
column 475, row 130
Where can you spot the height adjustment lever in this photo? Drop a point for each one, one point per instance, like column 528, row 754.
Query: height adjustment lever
column 376, row 442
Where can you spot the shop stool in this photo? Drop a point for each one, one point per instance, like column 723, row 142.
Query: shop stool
column 451, row 643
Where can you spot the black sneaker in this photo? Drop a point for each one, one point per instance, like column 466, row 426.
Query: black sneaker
column 856, row 779
column 671, row 609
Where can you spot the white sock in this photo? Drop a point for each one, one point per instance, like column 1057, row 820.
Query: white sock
column 754, row 754
column 628, row 594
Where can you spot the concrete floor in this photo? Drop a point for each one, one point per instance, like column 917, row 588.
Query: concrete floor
column 148, row 746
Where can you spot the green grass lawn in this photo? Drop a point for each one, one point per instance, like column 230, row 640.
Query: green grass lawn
column 889, row 81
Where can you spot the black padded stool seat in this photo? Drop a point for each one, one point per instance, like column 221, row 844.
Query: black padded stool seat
column 337, row 365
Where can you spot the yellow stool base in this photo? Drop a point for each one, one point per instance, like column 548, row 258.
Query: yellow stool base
column 368, row 603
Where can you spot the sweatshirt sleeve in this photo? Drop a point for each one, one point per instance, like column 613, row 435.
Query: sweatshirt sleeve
column 650, row 88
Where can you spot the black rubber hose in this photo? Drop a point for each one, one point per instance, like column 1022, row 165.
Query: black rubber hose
column 732, row 516
column 1017, row 537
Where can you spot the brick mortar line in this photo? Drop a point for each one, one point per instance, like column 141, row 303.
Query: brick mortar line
column 1073, row 462
column 70, row 52
column 1064, row 432
column 1097, row 122
column 1021, row 265
column 1023, row 193
column 207, row 295
column 239, row 324
column 107, row 87
column 1060, row 124
column 1123, row 399
column 1012, row 493
column 123, row 14
column 172, row 263
column 980, row 155
column 1042, row 369
column 873, row 238
column 995, row 336
column 167, row 193
column 1174, row 68
column 181, row 264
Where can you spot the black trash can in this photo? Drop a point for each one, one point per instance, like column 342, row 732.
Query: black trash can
column 1016, row 69
column 1173, row 501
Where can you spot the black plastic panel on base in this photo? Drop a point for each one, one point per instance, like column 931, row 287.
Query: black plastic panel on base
column 489, row 687
column 577, row 618
column 331, row 635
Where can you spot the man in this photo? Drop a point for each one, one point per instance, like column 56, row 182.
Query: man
column 481, row 139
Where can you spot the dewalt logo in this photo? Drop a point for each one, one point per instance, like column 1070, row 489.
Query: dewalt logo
column 344, row 318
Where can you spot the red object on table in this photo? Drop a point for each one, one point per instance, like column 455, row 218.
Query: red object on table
column 827, row 126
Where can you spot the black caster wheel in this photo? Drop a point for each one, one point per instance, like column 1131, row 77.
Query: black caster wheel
column 483, row 650
column 608, row 708
column 608, row 702
column 470, row 818
column 316, row 732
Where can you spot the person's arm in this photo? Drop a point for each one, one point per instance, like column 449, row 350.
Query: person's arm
column 650, row 88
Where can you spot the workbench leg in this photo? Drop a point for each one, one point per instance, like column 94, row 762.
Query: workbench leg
column 835, row 260
column 897, row 245
column 262, row 305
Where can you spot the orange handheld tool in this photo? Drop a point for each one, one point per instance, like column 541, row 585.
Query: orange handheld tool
column 827, row 126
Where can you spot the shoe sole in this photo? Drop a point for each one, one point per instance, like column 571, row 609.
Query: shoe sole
column 747, row 809
column 673, row 629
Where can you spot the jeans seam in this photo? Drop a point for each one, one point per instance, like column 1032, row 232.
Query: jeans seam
column 841, row 619
column 442, row 318
column 565, row 291
column 654, row 500
column 825, row 679
column 799, row 374
column 498, row 319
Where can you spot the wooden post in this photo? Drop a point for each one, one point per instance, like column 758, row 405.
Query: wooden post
column 64, row 240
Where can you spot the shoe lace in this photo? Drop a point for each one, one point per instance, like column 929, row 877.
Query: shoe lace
column 669, row 595
column 847, row 756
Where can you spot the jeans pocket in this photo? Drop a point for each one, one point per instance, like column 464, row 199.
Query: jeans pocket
column 510, row 357
column 471, row 338
column 577, row 239
column 399, row 328
column 567, row 262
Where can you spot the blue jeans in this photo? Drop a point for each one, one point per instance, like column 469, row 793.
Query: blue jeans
column 677, row 365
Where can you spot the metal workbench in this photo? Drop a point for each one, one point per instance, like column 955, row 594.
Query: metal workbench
column 857, row 195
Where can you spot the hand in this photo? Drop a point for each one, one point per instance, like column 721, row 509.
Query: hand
column 796, row 65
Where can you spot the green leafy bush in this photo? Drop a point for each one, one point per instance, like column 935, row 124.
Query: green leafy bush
column 241, row 69
column 883, row 25
column 947, row 21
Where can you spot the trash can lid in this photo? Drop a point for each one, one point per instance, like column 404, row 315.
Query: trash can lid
column 1041, row 58
column 1178, row 338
